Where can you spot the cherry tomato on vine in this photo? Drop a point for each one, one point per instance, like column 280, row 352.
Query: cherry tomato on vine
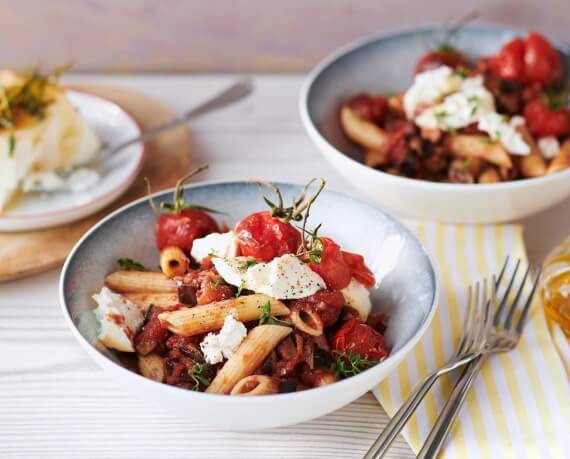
column 437, row 58
column 543, row 122
column 530, row 60
column 333, row 268
column 178, row 223
column 356, row 338
column 359, row 270
column 264, row 237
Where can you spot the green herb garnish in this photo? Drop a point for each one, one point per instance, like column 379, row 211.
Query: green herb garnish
column 199, row 375
column 247, row 264
column 128, row 264
column 346, row 365
column 440, row 115
column 461, row 72
column 11, row 145
column 267, row 319
column 240, row 288
column 487, row 140
column 555, row 99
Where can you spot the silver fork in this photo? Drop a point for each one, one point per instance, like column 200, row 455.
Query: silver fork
column 476, row 326
column 504, row 334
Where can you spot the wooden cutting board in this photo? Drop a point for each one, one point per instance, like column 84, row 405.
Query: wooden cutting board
column 167, row 158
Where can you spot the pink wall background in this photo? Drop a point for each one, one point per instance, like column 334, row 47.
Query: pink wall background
column 229, row 35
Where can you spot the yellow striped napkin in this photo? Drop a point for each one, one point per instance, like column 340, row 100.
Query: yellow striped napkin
column 519, row 405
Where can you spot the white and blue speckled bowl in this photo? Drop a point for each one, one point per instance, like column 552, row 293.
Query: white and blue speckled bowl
column 385, row 64
column 406, row 291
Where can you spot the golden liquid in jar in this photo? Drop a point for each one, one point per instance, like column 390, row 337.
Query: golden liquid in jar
column 555, row 286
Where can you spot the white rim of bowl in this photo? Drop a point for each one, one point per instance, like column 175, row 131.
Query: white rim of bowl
column 318, row 138
column 100, row 358
column 132, row 175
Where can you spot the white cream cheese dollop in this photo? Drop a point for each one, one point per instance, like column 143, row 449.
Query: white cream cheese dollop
column 220, row 244
column 119, row 320
column 79, row 180
column 217, row 347
column 283, row 278
column 505, row 131
column 441, row 99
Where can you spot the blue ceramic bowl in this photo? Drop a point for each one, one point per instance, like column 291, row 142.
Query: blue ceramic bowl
column 406, row 291
column 385, row 64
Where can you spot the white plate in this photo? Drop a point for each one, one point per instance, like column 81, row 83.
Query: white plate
column 113, row 124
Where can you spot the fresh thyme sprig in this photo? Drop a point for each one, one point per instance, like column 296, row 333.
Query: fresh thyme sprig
column 199, row 375
column 346, row 365
column 266, row 318
column 128, row 264
column 29, row 97
column 298, row 207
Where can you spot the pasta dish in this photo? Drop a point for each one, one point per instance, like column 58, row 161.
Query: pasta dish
column 267, row 307
column 500, row 118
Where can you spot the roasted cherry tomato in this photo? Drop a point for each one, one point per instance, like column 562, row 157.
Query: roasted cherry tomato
column 360, row 339
column 370, row 108
column 533, row 60
column 180, row 223
column 437, row 58
column 326, row 303
column 334, row 270
column 265, row 237
column 542, row 62
column 181, row 228
column 543, row 122
column 508, row 63
column 359, row 270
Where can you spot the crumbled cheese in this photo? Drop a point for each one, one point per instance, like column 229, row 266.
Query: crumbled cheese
column 430, row 87
column 499, row 128
column 217, row 347
column 357, row 296
column 549, row 146
column 119, row 320
column 284, row 277
column 460, row 109
column 220, row 244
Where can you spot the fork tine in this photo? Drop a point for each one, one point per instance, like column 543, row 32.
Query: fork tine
column 526, row 308
column 510, row 315
column 485, row 313
column 499, row 311
column 499, row 278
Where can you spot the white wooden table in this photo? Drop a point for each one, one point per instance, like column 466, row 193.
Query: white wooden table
column 55, row 402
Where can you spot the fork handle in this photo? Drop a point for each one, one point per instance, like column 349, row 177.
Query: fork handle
column 439, row 432
column 398, row 421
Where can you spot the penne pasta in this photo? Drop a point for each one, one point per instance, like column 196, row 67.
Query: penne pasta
column 533, row 164
column 173, row 262
column 362, row 132
column 256, row 385
column 561, row 160
column 152, row 366
column 307, row 321
column 140, row 282
column 145, row 300
column 375, row 158
column 209, row 317
column 489, row 175
column 251, row 353
column 478, row 146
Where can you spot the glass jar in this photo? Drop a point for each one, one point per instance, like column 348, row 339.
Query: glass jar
column 555, row 286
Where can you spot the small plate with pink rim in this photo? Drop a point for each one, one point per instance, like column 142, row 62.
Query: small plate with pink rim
column 112, row 124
